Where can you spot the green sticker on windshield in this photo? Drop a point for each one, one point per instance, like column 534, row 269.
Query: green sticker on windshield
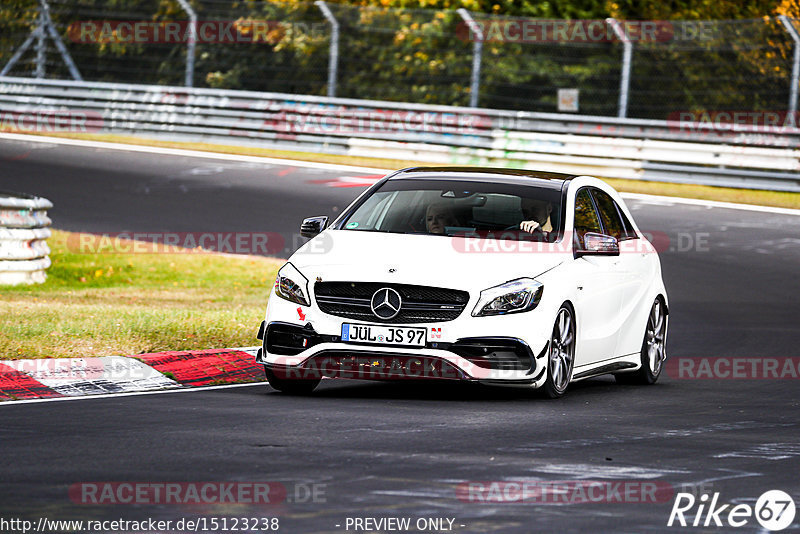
column 352, row 225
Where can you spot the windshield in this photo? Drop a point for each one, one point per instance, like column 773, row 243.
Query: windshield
column 461, row 208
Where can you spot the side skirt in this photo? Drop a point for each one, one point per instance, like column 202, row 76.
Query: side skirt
column 629, row 362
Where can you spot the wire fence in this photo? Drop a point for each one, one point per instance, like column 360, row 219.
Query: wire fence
column 658, row 68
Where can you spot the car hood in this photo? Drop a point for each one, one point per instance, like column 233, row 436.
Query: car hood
column 463, row 263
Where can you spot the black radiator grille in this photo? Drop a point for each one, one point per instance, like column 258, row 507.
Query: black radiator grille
column 421, row 304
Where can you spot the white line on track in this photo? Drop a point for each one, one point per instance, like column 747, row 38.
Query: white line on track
column 347, row 168
column 131, row 394
column 708, row 203
column 188, row 153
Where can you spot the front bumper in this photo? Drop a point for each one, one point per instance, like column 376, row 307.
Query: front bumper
column 301, row 352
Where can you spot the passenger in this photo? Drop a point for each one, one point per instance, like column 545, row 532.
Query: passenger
column 536, row 216
column 438, row 217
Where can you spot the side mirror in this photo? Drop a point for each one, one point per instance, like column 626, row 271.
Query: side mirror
column 313, row 226
column 598, row 245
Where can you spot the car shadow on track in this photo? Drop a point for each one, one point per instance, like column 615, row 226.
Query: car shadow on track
column 458, row 391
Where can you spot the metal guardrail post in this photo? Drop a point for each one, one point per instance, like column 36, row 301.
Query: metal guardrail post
column 45, row 27
column 21, row 50
column 795, row 66
column 627, row 56
column 192, row 44
column 477, row 54
column 41, row 47
column 51, row 29
column 333, row 59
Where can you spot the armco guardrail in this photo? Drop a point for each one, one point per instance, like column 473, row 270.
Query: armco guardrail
column 733, row 155
column 23, row 234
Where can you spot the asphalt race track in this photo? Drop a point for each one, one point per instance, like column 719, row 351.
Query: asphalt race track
column 402, row 450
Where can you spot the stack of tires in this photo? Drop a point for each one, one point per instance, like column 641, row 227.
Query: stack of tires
column 23, row 234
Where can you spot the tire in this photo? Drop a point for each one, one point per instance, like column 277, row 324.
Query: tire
column 561, row 353
column 290, row 386
column 654, row 348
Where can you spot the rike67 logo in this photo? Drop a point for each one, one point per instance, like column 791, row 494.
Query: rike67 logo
column 774, row 510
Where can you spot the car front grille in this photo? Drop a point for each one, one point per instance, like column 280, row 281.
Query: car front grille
column 420, row 304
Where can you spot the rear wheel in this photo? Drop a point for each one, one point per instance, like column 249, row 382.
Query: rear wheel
column 561, row 356
column 290, row 386
column 654, row 348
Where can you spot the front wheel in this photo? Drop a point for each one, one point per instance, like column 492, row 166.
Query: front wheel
column 290, row 386
column 561, row 356
column 654, row 348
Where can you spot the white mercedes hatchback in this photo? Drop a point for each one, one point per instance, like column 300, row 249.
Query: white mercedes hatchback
column 497, row 276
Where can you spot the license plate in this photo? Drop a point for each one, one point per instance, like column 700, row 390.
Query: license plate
column 384, row 335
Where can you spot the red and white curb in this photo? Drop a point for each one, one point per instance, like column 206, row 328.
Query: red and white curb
column 73, row 377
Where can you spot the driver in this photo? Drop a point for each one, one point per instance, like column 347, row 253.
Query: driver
column 536, row 215
column 438, row 217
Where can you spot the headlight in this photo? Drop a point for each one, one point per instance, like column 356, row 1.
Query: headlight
column 518, row 295
column 292, row 285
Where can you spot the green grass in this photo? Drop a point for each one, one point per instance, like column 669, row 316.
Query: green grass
column 706, row 192
column 105, row 304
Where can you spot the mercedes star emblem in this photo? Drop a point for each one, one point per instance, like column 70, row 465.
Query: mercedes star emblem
column 385, row 303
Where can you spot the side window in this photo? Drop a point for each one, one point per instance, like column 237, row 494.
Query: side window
column 609, row 214
column 586, row 219
column 630, row 233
